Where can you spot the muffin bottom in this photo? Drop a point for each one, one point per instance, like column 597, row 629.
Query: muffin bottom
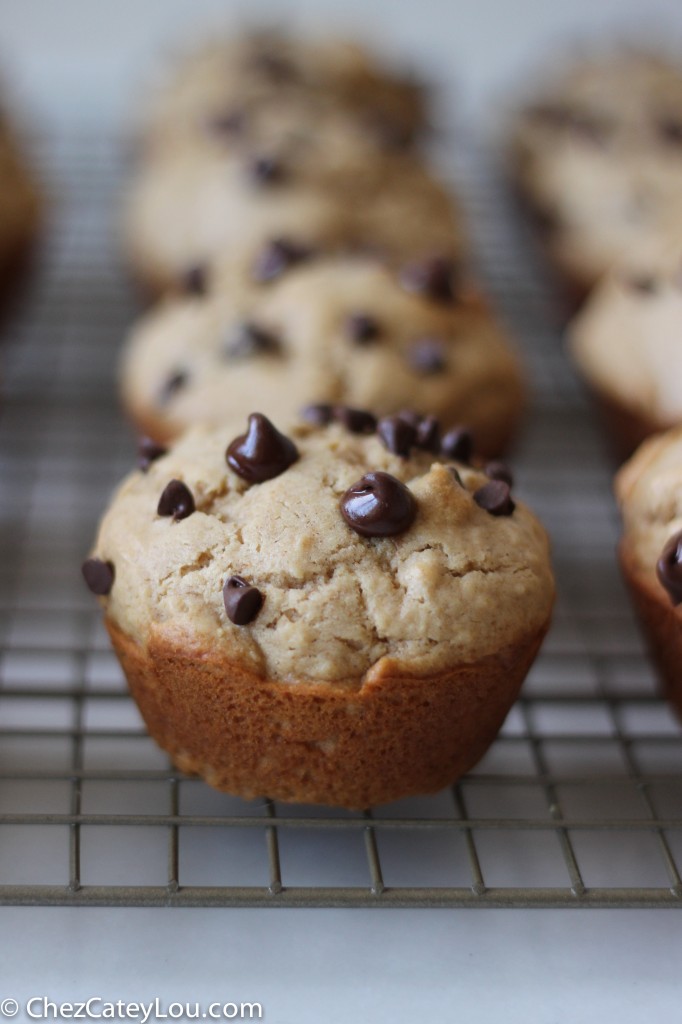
column 319, row 742
column 661, row 625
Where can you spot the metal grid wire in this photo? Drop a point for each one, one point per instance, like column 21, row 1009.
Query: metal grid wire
column 579, row 801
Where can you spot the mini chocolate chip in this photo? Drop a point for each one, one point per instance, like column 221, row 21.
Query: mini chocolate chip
column 642, row 283
column 248, row 340
column 410, row 416
column 176, row 382
column 195, row 280
column 458, row 444
column 277, row 257
column 358, row 421
column 362, row 328
column 434, row 278
column 669, row 568
column 242, row 601
column 228, row 124
column 397, row 434
column 262, row 452
column 267, row 170
column 499, row 471
column 427, row 355
column 319, row 414
column 176, row 501
column 495, row 498
column 428, row 434
column 98, row 575
column 378, row 505
column 670, row 130
column 147, row 452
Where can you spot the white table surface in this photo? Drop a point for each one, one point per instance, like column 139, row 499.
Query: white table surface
column 333, row 965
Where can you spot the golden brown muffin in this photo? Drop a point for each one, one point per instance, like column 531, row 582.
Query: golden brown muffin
column 343, row 331
column 649, row 490
column 312, row 616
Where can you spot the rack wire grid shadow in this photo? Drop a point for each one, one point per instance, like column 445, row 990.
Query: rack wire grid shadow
column 578, row 802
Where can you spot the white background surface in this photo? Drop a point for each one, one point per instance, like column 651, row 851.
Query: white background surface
column 74, row 59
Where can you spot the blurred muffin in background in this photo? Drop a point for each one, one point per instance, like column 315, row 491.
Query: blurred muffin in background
column 20, row 206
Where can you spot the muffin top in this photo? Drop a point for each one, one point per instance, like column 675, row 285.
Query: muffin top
column 222, row 89
column 649, row 491
column 599, row 156
column 321, row 554
column 626, row 338
column 345, row 331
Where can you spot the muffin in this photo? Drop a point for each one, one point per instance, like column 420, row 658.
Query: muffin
column 221, row 90
column 649, row 491
column 19, row 207
column 596, row 157
column 328, row 332
column 322, row 615
column 316, row 186
column 625, row 341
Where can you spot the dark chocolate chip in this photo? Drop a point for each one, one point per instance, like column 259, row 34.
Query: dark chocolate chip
column 227, row 124
column 427, row 355
column 242, row 601
column 277, row 257
column 670, row 130
column 397, row 434
column 434, row 278
column 248, row 339
column 499, row 471
column 410, row 416
column 98, row 575
column 195, row 280
column 644, row 284
column 362, row 328
column 147, row 452
column 495, row 498
column 428, row 434
column 358, row 421
column 669, row 568
column 458, row 444
column 176, row 382
column 267, row 170
column 320, row 414
column 262, row 452
column 378, row 505
column 176, row 501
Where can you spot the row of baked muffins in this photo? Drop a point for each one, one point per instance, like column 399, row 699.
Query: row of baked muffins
column 598, row 161
column 310, row 600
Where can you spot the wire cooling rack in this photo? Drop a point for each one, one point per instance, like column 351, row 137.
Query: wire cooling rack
column 579, row 801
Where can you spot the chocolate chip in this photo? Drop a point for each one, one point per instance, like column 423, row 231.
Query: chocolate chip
column 277, row 257
column 410, row 416
column 458, row 444
column 176, row 382
column 262, row 452
column 319, row 414
column 378, row 505
column 428, row 434
column 669, row 568
column 644, row 284
column 248, row 340
column 499, row 471
column 227, row 124
column 147, row 452
column 397, row 435
column 670, row 130
column 358, row 421
column 427, row 355
column 195, row 280
column 362, row 328
column 98, row 575
column 242, row 601
column 434, row 278
column 267, row 170
column 495, row 498
column 176, row 501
